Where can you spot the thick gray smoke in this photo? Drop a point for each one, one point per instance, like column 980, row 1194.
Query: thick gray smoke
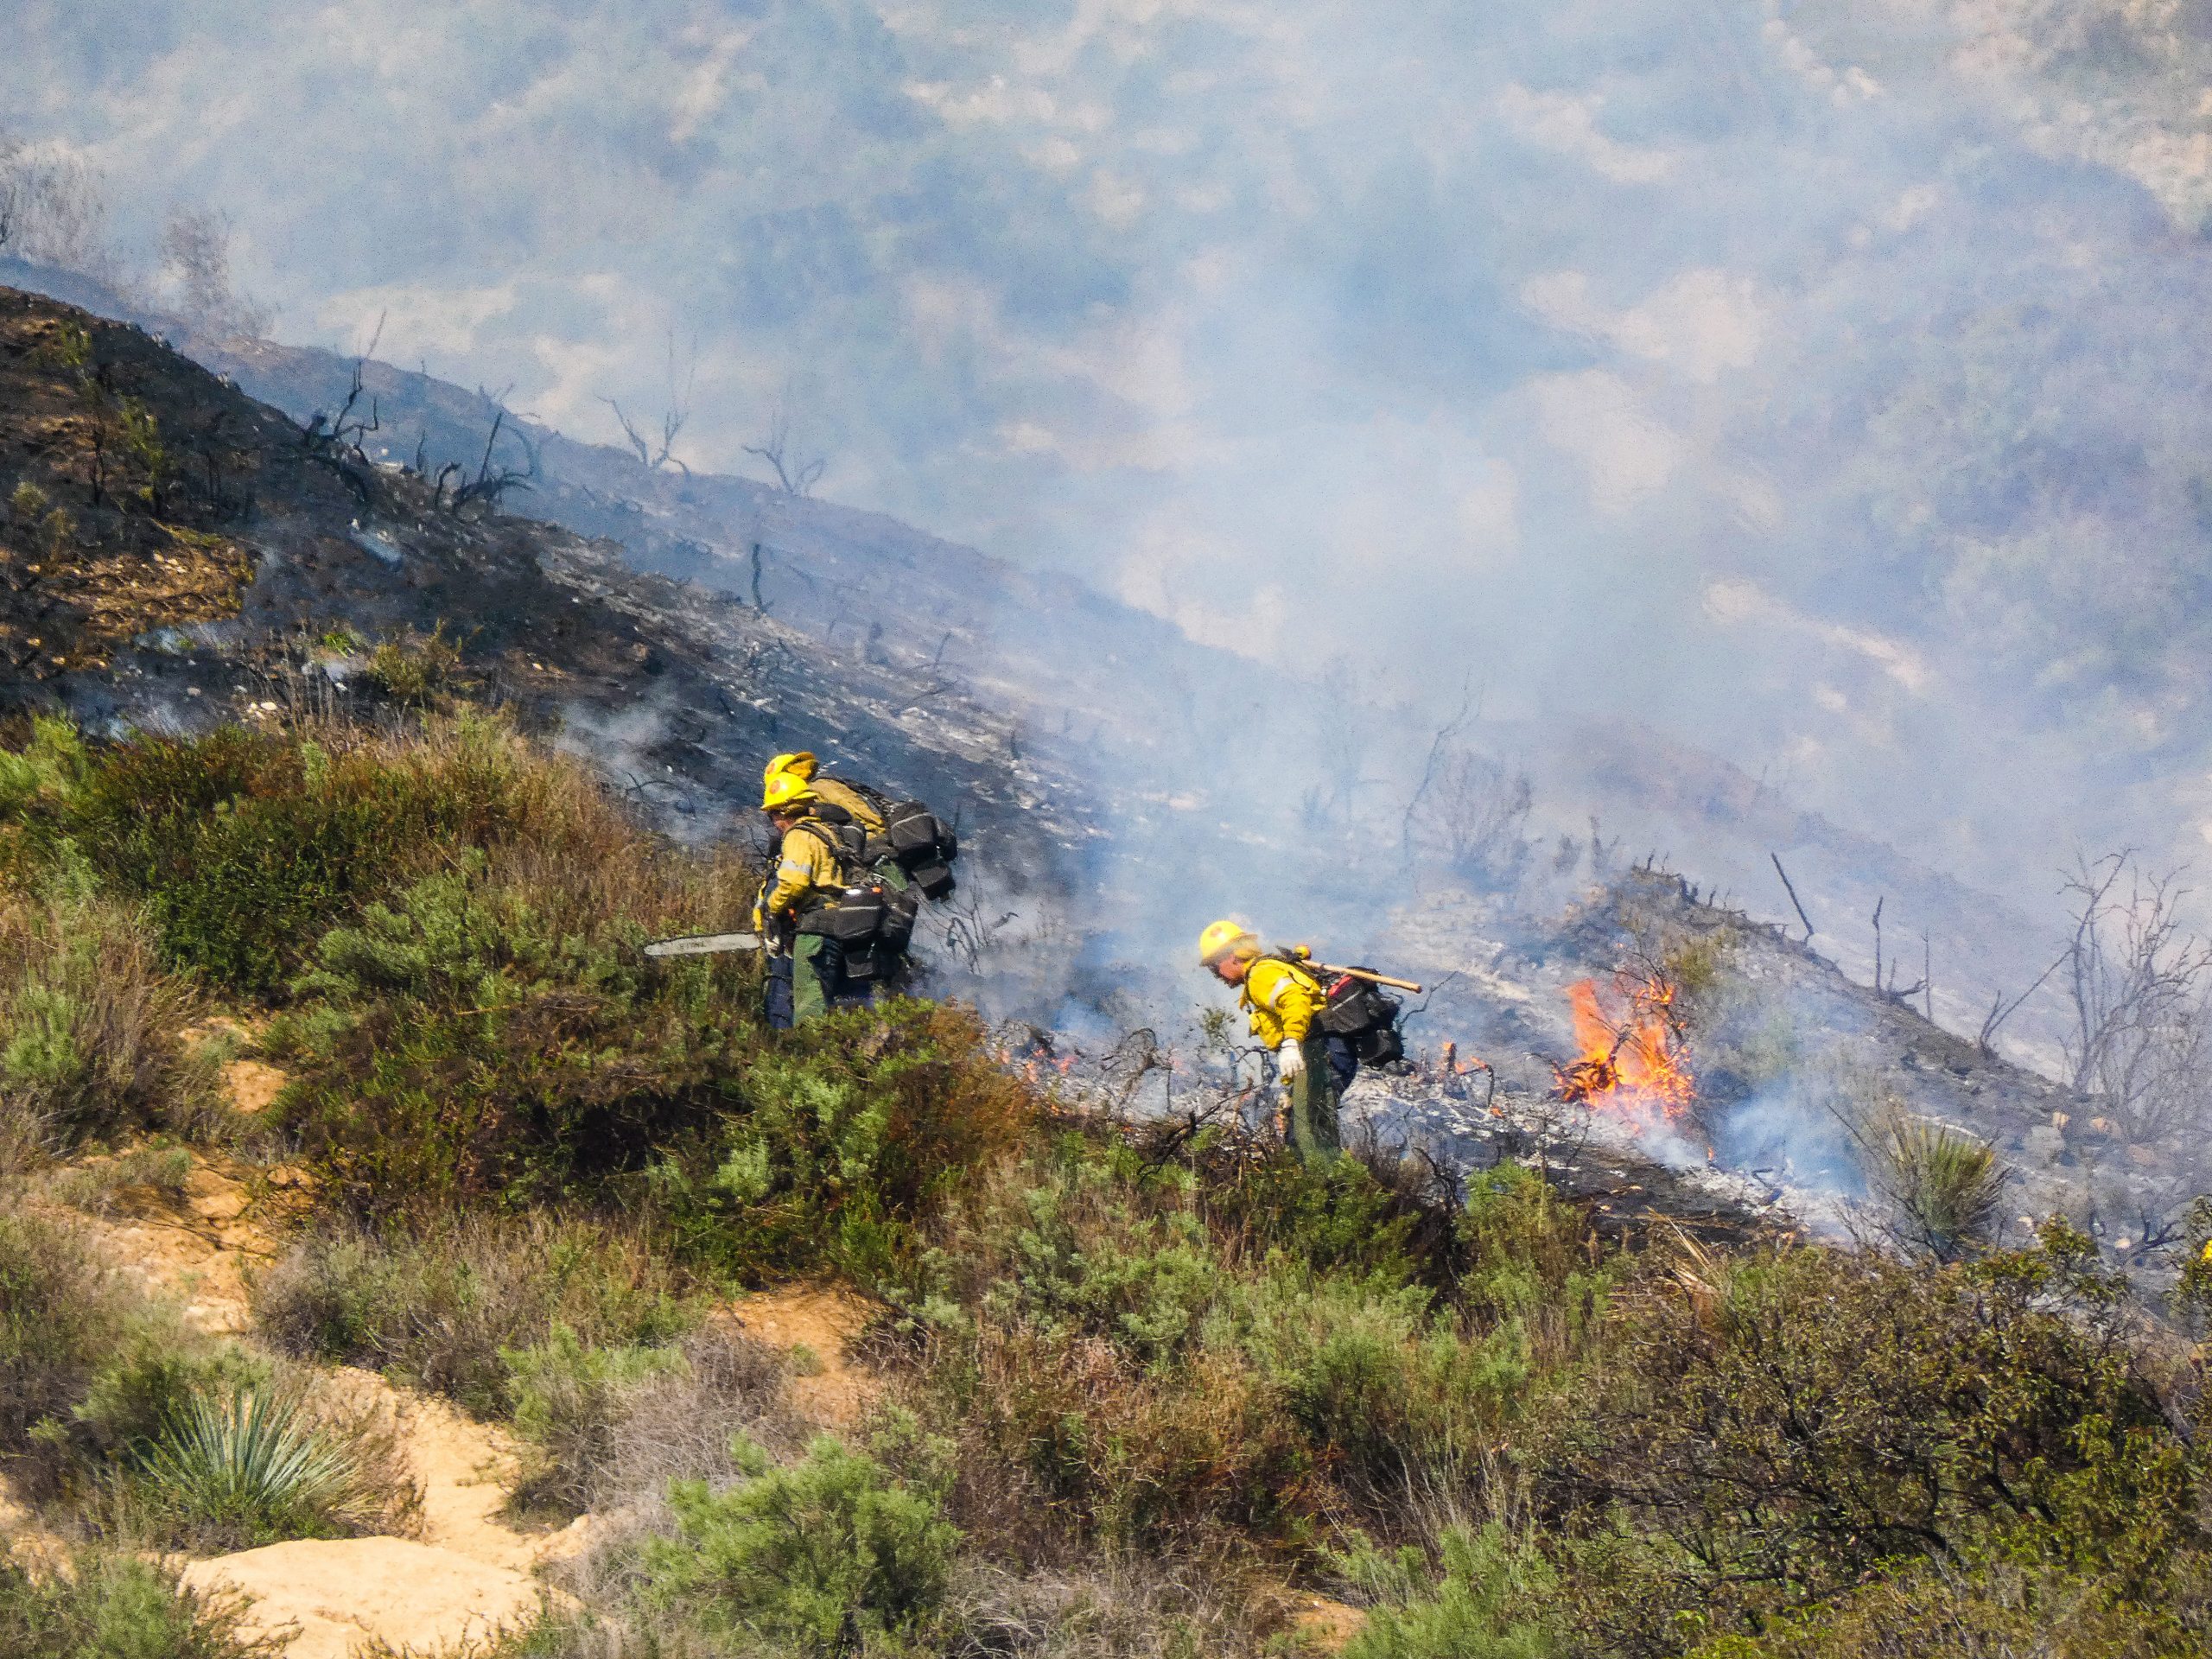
column 1821, row 383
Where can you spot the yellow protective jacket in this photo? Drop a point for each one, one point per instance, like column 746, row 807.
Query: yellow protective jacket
column 834, row 793
column 1283, row 999
column 807, row 873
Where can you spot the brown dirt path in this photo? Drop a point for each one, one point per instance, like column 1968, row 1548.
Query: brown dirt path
column 835, row 1389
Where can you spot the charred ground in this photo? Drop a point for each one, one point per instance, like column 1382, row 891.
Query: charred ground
column 182, row 554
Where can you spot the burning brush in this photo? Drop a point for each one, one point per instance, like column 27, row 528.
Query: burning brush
column 1631, row 1064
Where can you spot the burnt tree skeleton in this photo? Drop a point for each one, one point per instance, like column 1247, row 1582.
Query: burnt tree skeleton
column 675, row 414
column 794, row 475
column 2140, row 987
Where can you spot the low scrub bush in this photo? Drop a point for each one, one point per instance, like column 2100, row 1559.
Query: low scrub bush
column 89, row 1022
column 1758, row 1436
column 1146, row 1605
column 462, row 1045
column 1066, row 1438
column 568, row 1400
column 441, row 1301
column 245, row 847
column 830, row 1556
column 61, row 1316
column 837, row 1144
column 1990, row 1602
column 103, row 1605
column 679, row 1421
column 1483, row 1600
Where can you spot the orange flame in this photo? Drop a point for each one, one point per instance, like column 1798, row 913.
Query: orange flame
column 1632, row 1066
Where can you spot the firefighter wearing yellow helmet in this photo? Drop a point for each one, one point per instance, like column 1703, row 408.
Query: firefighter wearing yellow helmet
column 1282, row 1000
column 805, row 970
column 863, row 805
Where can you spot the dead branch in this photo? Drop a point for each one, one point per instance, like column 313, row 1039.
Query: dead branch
column 490, row 483
column 2141, row 991
column 1794, row 900
column 2000, row 1010
column 794, row 475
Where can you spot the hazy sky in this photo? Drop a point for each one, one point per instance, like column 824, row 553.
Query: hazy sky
column 1826, row 382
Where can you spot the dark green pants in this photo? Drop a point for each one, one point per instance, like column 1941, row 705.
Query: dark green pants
column 1311, row 1125
column 805, row 984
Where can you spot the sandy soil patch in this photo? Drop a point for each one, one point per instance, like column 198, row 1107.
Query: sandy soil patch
column 332, row 1596
column 830, row 1385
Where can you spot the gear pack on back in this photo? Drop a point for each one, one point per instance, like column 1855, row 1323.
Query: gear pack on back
column 914, row 838
column 1357, row 1010
column 873, row 920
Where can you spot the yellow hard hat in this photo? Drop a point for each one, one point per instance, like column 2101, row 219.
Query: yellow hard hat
column 783, row 791
column 799, row 764
column 1224, row 939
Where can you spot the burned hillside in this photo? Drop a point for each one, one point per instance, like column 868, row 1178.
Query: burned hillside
column 179, row 554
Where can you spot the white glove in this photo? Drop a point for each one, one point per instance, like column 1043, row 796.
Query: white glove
column 1290, row 1061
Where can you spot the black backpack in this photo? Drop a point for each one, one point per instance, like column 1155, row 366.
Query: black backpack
column 1365, row 1016
column 873, row 920
column 914, row 838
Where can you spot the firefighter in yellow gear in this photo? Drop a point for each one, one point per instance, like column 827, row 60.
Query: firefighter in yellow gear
column 1282, row 1000
column 863, row 806
column 831, row 792
column 806, row 971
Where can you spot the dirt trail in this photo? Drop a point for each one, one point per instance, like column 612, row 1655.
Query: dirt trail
column 1325, row 1625
column 331, row 1598
column 467, row 1571
column 834, row 1388
column 196, row 1245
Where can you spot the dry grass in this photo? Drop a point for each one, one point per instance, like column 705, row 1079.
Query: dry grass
column 436, row 1301
column 92, row 1019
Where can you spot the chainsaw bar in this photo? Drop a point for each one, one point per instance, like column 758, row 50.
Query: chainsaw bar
column 703, row 945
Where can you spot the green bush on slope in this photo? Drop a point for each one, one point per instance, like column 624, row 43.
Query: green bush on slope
column 103, row 1605
column 824, row 1558
column 1200, row 1362
column 441, row 1301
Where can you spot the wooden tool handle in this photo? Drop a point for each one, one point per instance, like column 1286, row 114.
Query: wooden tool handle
column 1372, row 977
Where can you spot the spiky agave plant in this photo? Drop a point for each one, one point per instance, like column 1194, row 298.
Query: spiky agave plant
column 250, row 1466
column 1947, row 1185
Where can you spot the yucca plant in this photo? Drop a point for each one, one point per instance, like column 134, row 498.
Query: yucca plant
column 1946, row 1185
column 250, row 1466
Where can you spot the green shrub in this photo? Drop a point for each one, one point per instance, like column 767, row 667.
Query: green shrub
column 1947, row 1186
column 1481, row 1607
column 116, row 1606
column 417, row 669
column 60, row 1315
column 1388, row 1391
column 2011, row 1598
column 45, row 770
column 821, row 1558
column 154, row 1372
column 1329, row 1216
column 568, row 1401
column 89, row 1021
column 246, row 847
column 460, row 1046
column 440, row 1302
column 1067, row 1437
column 842, row 1141
column 1758, row 1436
